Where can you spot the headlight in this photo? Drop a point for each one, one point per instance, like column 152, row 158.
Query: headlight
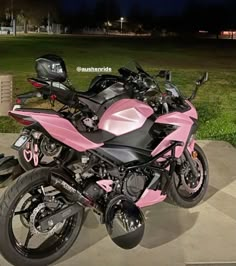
column 149, row 83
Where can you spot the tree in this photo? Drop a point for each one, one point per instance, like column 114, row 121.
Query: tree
column 31, row 11
column 22, row 20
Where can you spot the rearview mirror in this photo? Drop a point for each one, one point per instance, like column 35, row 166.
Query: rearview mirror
column 199, row 83
column 166, row 74
column 203, row 79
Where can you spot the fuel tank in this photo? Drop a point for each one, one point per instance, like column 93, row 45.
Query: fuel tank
column 125, row 116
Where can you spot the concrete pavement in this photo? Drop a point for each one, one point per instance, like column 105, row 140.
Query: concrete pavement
column 6, row 140
column 203, row 235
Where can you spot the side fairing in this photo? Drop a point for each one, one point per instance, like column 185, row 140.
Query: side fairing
column 125, row 116
column 62, row 130
column 183, row 123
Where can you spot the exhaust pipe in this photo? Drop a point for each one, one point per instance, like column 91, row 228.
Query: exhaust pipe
column 70, row 192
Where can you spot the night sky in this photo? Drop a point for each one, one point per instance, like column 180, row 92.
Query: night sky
column 158, row 7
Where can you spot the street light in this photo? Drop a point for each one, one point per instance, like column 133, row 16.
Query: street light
column 121, row 23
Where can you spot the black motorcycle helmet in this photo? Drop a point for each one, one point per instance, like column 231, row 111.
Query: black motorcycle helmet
column 51, row 67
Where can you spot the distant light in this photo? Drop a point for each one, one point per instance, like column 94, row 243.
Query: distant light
column 228, row 32
column 108, row 23
column 122, row 19
column 203, row 31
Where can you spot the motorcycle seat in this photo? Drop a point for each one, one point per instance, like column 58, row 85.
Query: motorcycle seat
column 98, row 84
column 99, row 136
column 87, row 94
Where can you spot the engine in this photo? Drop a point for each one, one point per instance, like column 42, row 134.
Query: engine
column 88, row 171
column 93, row 191
column 134, row 185
column 116, row 207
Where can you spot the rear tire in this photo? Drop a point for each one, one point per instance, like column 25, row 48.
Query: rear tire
column 8, row 203
column 183, row 202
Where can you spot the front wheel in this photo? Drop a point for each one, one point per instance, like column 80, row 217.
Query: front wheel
column 185, row 190
column 24, row 204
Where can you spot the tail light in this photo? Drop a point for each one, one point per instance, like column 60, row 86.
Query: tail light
column 18, row 101
column 24, row 120
column 37, row 84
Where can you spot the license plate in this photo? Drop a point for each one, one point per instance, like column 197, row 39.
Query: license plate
column 20, row 142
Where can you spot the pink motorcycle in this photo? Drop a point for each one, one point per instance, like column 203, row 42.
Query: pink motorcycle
column 142, row 152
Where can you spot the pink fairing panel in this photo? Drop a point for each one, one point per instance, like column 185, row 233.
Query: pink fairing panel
column 183, row 123
column 192, row 112
column 150, row 197
column 105, row 184
column 125, row 116
column 61, row 130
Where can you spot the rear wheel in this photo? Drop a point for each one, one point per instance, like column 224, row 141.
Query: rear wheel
column 22, row 241
column 185, row 190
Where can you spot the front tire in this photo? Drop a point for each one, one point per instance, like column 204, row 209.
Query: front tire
column 54, row 247
column 191, row 200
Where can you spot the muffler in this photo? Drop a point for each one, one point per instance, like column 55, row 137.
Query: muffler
column 123, row 219
column 124, row 222
column 70, row 192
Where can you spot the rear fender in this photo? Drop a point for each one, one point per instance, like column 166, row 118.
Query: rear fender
column 60, row 129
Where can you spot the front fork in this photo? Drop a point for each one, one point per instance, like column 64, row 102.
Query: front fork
column 189, row 155
column 191, row 145
column 188, row 152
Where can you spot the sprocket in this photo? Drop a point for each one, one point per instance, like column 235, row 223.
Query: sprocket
column 38, row 213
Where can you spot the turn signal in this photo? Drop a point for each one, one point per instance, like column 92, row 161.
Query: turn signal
column 194, row 155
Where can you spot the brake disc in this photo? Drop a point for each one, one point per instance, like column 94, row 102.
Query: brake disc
column 187, row 180
column 23, row 218
column 38, row 213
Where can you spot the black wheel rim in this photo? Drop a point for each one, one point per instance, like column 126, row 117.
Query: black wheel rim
column 49, row 245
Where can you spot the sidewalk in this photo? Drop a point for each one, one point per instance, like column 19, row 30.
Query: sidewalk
column 6, row 140
column 173, row 236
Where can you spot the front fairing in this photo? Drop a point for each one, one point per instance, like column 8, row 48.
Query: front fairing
column 192, row 112
column 185, row 124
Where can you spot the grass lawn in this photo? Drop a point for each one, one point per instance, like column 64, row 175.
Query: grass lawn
column 216, row 101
